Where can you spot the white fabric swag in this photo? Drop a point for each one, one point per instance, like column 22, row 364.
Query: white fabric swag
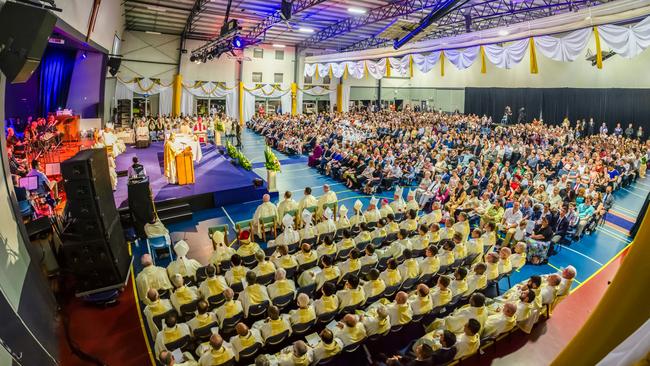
column 627, row 41
column 464, row 58
column 266, row 91
column 400, row 66
column 567, row 48
column 211, row 90
column 508, row 56
column 425, row 63
column 356, row 69
column 377, row 69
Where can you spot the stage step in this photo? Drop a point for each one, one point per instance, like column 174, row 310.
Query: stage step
column 173, row 213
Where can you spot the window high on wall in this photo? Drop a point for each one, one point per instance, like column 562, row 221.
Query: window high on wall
column 258, row 53
column 278, row 77
column 257, row 77
column 279, row 54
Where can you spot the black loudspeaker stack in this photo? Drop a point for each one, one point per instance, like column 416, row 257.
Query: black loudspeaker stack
column 94, row 247
column 24, row 33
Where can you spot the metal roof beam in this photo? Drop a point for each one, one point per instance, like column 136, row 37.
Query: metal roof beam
column 385, row 12
column 490, row 14
column 197, row 9
column 268, row 22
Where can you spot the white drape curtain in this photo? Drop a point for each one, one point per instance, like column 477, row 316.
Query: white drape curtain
column 508, row 56
column 400, row 66
column 627, row 41
column 146, row 86
column 464, row 58
column 566, row 48
column 122, row 91
column 187, row 103
column 283, row 92
column 424, row 63
column 377, row 69
column 165, row 101
column 345, row 98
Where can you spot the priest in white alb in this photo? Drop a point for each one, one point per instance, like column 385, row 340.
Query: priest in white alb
column 266, row 209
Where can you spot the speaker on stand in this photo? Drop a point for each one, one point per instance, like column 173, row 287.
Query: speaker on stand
column 95, row 251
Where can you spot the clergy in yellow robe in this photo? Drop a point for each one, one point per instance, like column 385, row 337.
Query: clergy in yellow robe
column 203, row 317
column 376, row 320
column 281, row 286
column 343, row 222
column 155, row 307
column 441, row 294
column 350, row 330
column 385, row 208
column 398, row 204
column 253, row 294
column 172, row 331
column 299, row 355
column 286, row 205
column 245, row 339
column 372, row 214
column 308, row 231
column 327, row 347
column 218, row 354
column 518, row 258
column 307, row 201
column 213, row 285
column 222, row 252
column 469, row 341
column 500, row 322
column 183, row 294
column 328, row 197
column 170, row 150
column 430, row 264
column 327, row 226
column 477, row 280
column 264, row 210
column 455, row 322
column 151, row 277
column 411, row 203
column 420, row 301
column 352, row 294
column 328, row 302
column 182, row 265
column 305, row 312
column 274, row 324
column 230, row 308
column 288, row 236
column 399, row 311
column 374, row 286
column 358, row 216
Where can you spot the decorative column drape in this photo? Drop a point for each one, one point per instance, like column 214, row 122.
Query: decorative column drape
column 177, row 94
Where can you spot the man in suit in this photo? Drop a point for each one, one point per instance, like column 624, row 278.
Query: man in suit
column 608, row 199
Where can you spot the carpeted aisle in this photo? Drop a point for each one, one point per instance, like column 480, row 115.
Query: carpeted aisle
column 112, row 335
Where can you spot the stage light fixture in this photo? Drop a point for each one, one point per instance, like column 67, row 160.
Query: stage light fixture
column 84, row 55
column 238, row 42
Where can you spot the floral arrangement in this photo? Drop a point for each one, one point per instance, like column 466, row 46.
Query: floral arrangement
column 243, row 161
column 271, row 163
column 219, row 126
column 238, row 156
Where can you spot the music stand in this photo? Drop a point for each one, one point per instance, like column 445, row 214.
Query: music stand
column 30, row 183
column 52, row 169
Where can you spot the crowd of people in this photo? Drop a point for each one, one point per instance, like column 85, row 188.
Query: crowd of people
column 354, row 280
column 561, row 177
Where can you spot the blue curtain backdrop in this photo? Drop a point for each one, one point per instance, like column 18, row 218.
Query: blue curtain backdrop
column 55, row 75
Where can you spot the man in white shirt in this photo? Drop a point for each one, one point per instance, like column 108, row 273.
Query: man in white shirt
column 511, row 219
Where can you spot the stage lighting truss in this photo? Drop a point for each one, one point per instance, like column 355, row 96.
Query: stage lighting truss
column 225, row 45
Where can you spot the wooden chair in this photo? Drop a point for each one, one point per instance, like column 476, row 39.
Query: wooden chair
column 268, row 224
column 244, row 225
column 222, row 228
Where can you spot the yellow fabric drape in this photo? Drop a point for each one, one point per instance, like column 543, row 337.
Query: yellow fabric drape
column 345, row 72
column 241, row 102
column 387, row 67
column 483, row 64
column 411, row 65
column 177, row 91
column 442, row 63
column 330, row 72
column 339, row 97
column 619, row 313
column 294, row 99
column 316, row 72
column 365, row 69
column 599, row 54
column 533, row 57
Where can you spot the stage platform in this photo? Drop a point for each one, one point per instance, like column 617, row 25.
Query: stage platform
column 218, row 181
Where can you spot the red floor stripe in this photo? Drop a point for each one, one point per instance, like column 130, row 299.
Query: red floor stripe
column 112, row 335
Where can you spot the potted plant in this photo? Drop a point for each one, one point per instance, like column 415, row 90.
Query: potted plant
column 272, row 165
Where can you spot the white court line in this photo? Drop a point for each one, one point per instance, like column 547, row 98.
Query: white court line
column 312, row 188
column 634, row 193
column 586, row 256
column 643, row 184
column 229, row 218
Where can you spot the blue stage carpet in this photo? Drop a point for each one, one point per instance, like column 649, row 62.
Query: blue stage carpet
column 214, row 174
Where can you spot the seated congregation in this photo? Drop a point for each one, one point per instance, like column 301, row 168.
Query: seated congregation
column 328, row 287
